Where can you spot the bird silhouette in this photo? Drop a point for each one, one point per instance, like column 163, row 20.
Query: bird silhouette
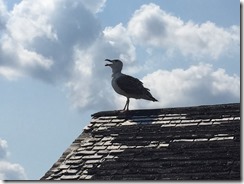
column 126, row 85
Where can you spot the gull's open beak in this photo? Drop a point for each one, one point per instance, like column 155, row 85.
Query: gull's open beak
column 108, row 64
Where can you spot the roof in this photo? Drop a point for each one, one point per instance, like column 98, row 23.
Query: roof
column 186, row 143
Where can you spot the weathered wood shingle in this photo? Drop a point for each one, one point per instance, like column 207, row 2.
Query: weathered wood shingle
column 190, row 143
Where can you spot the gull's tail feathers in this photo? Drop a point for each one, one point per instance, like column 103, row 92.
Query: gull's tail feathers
column 148, row 96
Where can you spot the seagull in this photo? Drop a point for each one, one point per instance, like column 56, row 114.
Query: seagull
column 126, row 85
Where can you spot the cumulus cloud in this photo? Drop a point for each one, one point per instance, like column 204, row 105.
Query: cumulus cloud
column 40, row 38
column 120, row 40
column 8, row 170
column 198, row 84
column 152, row 26
column 94, row 6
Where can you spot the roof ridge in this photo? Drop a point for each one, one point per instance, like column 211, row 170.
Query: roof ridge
column 159, row 110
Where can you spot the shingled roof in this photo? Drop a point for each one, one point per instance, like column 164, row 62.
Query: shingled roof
column 186, row 143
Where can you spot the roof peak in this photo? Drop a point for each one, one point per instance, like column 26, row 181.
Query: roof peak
column 161, row 110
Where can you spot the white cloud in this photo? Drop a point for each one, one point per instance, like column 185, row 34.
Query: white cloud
column 11, row 171
column 10, row 73
column 40, row 37
column 3, row 149
column 120, row 40
column 199, row 84
column 8, row 170
column 151, row 26
column 29, row 20
column 94, row 6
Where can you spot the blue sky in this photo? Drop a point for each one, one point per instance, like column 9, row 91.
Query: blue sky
column 52, row 73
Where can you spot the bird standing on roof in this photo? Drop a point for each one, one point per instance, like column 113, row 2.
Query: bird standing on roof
column 126, row 85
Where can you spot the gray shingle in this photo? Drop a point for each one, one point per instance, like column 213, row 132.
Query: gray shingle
column 188, row 143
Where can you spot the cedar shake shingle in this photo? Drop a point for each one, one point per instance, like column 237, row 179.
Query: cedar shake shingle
column 187, row 143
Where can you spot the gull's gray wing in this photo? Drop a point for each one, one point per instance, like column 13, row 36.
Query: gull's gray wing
column 131, row 85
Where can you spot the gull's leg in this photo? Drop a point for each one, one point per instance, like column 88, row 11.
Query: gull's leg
column 128, row 101
column 126, row 104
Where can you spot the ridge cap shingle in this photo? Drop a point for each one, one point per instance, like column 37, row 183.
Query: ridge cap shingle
column 160, row 110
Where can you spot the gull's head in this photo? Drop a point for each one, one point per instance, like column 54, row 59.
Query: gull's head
column 115, row 64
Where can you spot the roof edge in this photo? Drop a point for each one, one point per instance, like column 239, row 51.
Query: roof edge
column 160, row 110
